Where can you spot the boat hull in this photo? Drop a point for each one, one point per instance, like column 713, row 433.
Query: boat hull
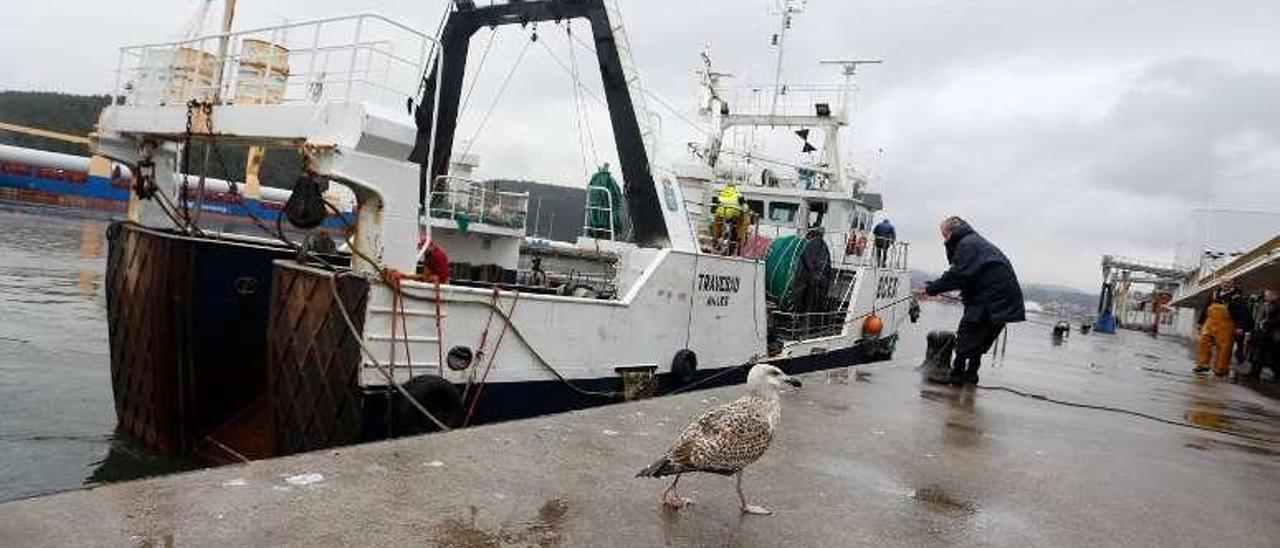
column 187, row 322
column 518, row 400
column 224, row 349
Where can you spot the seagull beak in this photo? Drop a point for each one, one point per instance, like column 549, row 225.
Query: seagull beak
column 792, row 381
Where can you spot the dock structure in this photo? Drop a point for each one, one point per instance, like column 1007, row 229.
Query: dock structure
column 1258, row 268
column 864, row 457
column 1119, row 274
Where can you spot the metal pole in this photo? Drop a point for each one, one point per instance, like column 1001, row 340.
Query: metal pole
column 228, row 15
column 781, row 41
column 351, row 67
column 537, row 216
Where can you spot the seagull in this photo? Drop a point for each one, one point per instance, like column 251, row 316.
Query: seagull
column 726, row 439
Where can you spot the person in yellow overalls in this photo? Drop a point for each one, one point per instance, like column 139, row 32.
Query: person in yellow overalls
column 1218, row 328
column 730, row 203
column 729, row 213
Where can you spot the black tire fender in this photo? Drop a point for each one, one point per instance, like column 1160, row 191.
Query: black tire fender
column 684, row 365
column 437, row 395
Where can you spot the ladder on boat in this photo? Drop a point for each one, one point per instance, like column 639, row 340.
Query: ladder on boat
column 639, row 100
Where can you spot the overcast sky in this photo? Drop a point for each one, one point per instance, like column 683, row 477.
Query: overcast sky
column 1063, row 130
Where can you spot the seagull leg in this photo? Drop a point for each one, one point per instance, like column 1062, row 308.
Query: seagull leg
column 748, row 508
column 671, row 499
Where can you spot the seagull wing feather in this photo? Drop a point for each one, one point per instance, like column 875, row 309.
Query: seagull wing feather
column 725, row 439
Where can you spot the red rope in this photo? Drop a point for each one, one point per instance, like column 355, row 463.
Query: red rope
column 439, row 331
column 484, row 335
column 393, row 278
column 480, row 389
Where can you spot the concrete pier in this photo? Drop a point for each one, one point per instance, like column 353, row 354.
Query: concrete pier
column 869, row 456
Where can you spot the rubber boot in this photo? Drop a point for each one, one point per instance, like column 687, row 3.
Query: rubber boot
column 958, row 372
column 971, row 372
column 1204, row 350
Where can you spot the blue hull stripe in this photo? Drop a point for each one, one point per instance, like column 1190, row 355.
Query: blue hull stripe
column 99, row 188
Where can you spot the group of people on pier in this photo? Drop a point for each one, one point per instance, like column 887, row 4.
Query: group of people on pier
column 1246, row 327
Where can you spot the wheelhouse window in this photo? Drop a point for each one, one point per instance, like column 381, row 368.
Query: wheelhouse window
column 756, row 206
column 861, row 220
column 783, row 212
column 817, row 212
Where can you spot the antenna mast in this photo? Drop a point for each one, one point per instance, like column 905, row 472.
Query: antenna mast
column 786, row 9
column 850, row 67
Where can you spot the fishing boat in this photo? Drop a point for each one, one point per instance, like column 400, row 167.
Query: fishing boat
column 246, row 346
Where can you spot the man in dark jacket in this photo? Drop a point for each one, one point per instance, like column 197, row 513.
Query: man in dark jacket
column 989, row 289
column 1265, row 351
column 885, row 236
column 813, row 275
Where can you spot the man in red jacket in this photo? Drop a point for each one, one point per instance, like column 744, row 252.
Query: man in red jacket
column 435, row 262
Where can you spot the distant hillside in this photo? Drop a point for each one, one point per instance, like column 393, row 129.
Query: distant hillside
column 73, row 114
column 1049, row 293
column 1040, row 293
column 555, row 212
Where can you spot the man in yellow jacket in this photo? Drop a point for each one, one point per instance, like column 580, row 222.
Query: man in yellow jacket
column 729, row 206
column 729, row 202
column 1220, row 324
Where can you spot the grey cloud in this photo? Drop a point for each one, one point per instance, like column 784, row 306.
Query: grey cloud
column 1064, row 130
column 1167, row 133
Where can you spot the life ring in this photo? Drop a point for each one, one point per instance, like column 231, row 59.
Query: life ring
column 855, row 245
column 437, row 395
column 684, row 365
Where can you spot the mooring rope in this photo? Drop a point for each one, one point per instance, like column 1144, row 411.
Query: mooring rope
column 538, row 357
column 229, row 450
column 484, row 378
column 1123, row 411
column 355, row 333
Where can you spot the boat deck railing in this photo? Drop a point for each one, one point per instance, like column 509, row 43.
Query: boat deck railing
column 797, row 99
column 780, row 174
column 863, row 249
column 468, row 201
column 357, row 58
column 597, row 213
column 799, row 326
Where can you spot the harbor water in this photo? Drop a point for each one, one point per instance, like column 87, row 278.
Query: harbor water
column 55, row 380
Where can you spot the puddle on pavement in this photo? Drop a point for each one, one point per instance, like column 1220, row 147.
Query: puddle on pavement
column 943, row 396
column 958, row 399
column 543, row 531
column 939, row 500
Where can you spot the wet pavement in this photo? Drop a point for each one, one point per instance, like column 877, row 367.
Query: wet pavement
column 869, row 456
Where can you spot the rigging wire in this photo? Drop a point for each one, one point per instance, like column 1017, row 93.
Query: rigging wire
column 565, row 67
column 435, row 46
column 699, row 127
column 466, row 99
column 501, row 91
column 579, row 103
